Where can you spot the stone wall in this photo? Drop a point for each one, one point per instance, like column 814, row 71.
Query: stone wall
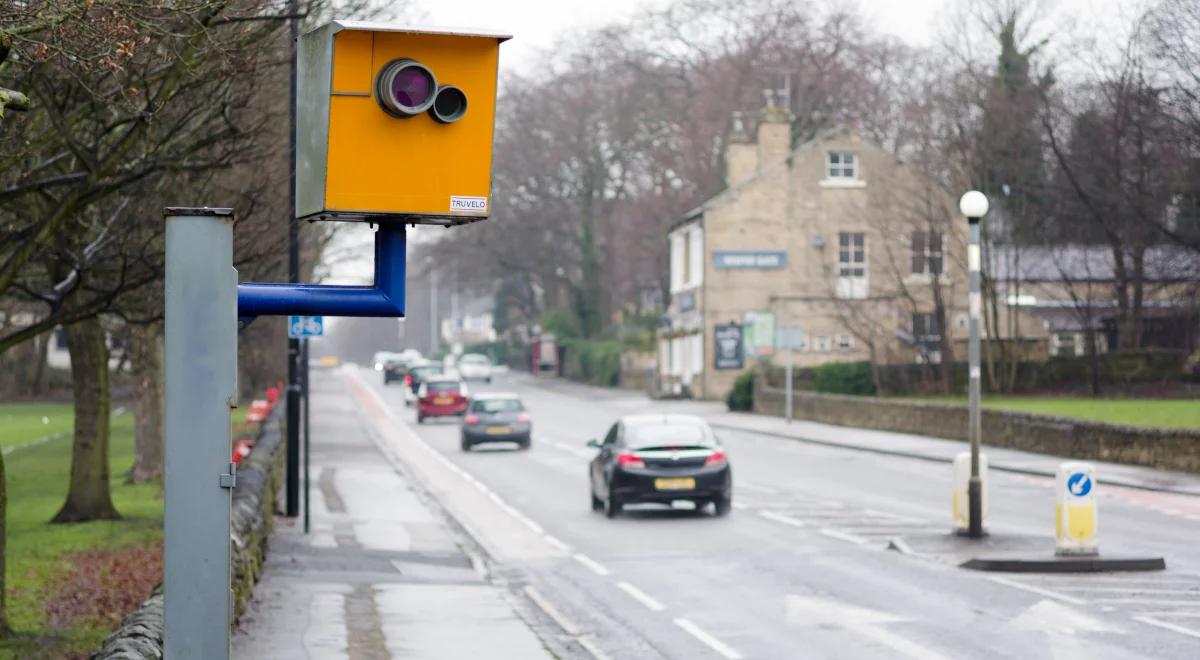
column 1177, row 449
column 140, row 636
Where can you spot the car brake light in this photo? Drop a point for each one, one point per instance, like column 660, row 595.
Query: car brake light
column 629, row 459
column 408, row 379
column 715, row 458
column 523, row 418
column 471, row 419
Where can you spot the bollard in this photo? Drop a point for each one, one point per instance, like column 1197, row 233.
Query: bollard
column 1075, row 517
column 960, row 502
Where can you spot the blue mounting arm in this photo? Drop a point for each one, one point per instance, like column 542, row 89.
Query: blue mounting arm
column 385, row 298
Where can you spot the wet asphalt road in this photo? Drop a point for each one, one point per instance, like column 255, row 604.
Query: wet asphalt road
column 802, row 568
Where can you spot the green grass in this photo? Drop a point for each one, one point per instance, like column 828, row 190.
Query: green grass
column 24, row 422
column 37, row 487
column 1156, row 413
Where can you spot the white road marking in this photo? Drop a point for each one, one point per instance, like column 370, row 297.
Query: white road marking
column 563, row 622
column 740, row 505
column 1174, row 627
column 893, row 516
column 592, row 564
column 1036, row 590
column 590, row 646
column 477, row 564
column 713, row 643
column 641, row 597
column 557, row 543
column 812, row 611
column 1136, row 590
column 780, row 518
column 842, row 536
column 1146, row 601
column 755, row 487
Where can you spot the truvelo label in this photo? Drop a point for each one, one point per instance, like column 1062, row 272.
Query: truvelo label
column 468, row 203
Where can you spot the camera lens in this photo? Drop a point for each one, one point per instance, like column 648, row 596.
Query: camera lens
column 449, row 104
column 405, row 88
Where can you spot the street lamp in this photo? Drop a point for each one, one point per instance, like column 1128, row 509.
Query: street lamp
column 974, row 205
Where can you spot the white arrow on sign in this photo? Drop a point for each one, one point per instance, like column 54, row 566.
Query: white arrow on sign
column 813, row 611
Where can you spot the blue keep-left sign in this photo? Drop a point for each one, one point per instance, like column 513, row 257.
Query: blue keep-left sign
column 1079, row 484
column 306, row 326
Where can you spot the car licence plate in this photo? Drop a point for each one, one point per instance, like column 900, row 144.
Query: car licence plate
column 678, row 483
column 442, row 401
column 498, row 430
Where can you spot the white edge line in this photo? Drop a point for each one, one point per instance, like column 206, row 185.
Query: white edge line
column 563, row 622
column 595, row 566
column 1036, row 590
column 477, row 564
column 1183, row 630
column 590, row 646
column 780, row 518
column 641, row 597
column 712, row 642
column 842, row 536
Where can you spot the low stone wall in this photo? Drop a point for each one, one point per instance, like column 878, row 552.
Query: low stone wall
column 1176, row 449
column 140, row 636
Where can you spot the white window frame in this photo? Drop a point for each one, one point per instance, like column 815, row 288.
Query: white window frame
column 676, row 266
column 822, row 344
column 695, row 248
column 845, row 342
column 841, row 165
column 852, row 271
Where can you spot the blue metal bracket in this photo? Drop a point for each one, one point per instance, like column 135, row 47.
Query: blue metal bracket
column 385, row 298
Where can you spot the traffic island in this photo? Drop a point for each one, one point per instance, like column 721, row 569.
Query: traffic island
column 1014, row 553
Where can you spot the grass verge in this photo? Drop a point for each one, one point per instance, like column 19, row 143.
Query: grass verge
column 43, row 558
column 1154, row 413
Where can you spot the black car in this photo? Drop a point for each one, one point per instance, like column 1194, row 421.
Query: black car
column 394, row 369
column 496, row 418
column 660, row 458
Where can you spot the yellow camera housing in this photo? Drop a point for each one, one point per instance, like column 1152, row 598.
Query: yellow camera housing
column 362, row 153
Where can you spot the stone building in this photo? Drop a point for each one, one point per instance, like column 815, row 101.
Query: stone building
column 847, row 252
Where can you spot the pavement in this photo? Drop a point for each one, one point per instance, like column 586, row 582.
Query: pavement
column 806, row 566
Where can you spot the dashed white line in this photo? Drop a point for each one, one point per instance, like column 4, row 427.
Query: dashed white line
column 1036, row 590
column 590, row 646
column 842, row 536
column 780, row 518
column 563, row 622
column 557, row 543
column 641, row 597
column 713, row 643
column 1158, row 602
column 1183, row 630
column 477, row 564
column 740, row 505
column 592, row 564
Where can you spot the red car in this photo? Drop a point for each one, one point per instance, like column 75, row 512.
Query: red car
column 441, row 396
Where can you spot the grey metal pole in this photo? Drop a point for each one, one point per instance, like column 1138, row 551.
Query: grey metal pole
column 304, row 382
column 788, row 405
column 201, row 387
column 975, row 303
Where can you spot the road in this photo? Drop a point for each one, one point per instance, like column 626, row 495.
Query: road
column 802, row 567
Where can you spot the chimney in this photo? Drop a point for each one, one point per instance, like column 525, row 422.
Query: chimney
column 741, row 153
column 774, row 131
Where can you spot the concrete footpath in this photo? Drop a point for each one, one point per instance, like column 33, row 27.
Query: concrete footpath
column 383, row 573
column 943, row 451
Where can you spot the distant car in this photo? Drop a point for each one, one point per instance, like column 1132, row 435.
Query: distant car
column 494, row 417
column 474, row 366
column 394, row 369
column 380, row 359
column 441, row 396
column 660, row 458
column 417, row 373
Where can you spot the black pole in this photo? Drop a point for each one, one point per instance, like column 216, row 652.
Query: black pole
column 307, row 444
column 293, row 390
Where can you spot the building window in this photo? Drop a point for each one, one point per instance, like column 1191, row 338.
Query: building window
column 927, row 332
column 852, row 265
column 695, row 260
column 845, row 343
column 678, row 248
column 842, row 165
column 927, row 253
column 821, row 344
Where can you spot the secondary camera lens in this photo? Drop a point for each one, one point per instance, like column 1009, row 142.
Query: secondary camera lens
column 449, row 105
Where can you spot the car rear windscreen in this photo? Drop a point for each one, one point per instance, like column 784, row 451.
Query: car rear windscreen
column 669, row 435
column 442, row 386
column 474, row 359
column 492, row 406
column 421, row 372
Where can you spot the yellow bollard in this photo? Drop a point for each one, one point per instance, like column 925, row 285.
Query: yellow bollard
column 1076, row 520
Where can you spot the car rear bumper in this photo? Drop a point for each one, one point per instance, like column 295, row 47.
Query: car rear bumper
column 478, row 435
column 448, row 410
column 641, row 484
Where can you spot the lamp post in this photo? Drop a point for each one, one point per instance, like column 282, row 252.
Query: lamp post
column 974, row 205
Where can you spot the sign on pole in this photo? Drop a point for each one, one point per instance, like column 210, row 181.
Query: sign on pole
column 760, row 333
column 728, row 342
column 789, row 337
column 306, row 326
